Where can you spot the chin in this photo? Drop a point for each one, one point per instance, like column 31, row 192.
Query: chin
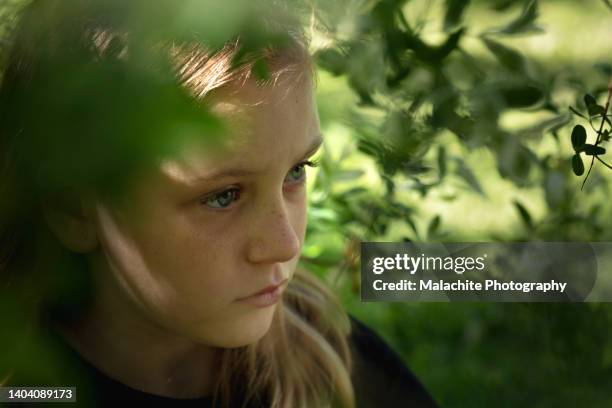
column 248, row 328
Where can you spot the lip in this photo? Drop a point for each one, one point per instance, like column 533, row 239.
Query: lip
column 267, row 296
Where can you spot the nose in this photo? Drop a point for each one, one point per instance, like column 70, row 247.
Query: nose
column 273, row 234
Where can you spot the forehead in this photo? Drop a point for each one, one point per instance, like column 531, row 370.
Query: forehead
column 264, row 122
column 250, row 106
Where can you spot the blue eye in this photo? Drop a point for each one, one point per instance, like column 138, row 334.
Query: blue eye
column 222, row 199
column 298, row 173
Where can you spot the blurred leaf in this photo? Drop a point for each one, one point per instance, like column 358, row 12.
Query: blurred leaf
column 515, row 160
column 525, row 216
column 466, row 174
column 330, row 59
column 604, row 67
column 577, row 165
column 318, row 214
column 554, row 188
column 348, row 175
column 413, row 227
column 434, row 226
column 454, row 13
column 355, row 191
column 508, row 57
column 442, row 161
column 520, row 96
column 579, row 137
column 524, row 22
column 366, row 69
column 428, row 54
column 551, row 125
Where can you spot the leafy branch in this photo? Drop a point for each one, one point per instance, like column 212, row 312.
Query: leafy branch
column 579, row 135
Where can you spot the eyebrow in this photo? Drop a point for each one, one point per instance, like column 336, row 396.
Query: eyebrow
column 242, row 172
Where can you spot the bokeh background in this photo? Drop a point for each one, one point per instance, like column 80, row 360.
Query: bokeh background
column 446, row 154
column 450, row 121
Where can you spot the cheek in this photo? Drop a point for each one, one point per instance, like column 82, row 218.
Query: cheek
column 170, row 268
column 195, row 264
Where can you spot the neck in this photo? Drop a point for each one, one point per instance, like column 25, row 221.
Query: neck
column 126, row 346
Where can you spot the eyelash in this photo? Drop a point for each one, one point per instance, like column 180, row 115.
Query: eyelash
column 235, row 191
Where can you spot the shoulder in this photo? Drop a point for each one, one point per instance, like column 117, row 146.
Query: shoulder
column 380, row 378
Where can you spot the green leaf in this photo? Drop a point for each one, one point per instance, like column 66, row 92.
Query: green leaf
column 592, row 150
column 466, row 174
column 515, row 160
column 589, row 100
column 524, row 22
column 508, row 57
column 578, row 137
column 332, row 60
column 577, row 165
column 592, row 106
column 442, row 161
column 355, row 191
column 517, row 96
column 317, row 214
column 525, row 216
column 577, row 113
column 554, row 189
column 549, row 125
column 433, row 227
column 604, row 68
column 454, row 13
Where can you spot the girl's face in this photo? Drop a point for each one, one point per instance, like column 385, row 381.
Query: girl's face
column 212, row 226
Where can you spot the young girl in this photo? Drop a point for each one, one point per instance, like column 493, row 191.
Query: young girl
column 153, row 212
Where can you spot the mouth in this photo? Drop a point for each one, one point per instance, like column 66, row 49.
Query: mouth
column 267, row 296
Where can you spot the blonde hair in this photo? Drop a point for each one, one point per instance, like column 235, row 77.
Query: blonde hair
column 305, row 358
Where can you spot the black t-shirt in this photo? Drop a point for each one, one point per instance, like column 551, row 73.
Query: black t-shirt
column 380, row 379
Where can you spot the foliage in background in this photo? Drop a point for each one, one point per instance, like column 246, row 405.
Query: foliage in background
column 439, row 127
column 594, row 112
